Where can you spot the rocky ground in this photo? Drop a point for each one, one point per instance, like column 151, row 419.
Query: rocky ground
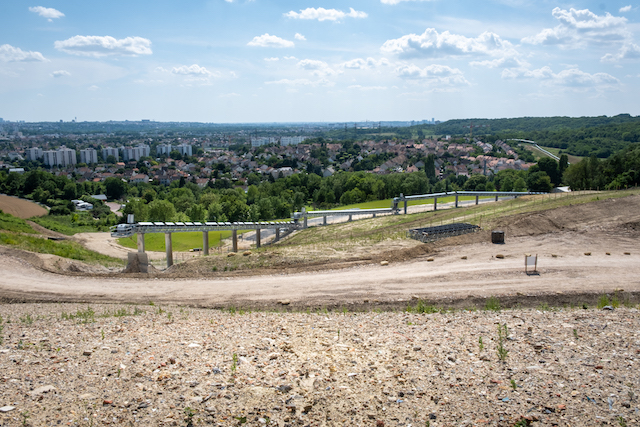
column 80, row 365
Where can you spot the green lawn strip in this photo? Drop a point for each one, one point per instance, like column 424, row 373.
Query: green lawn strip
column 180, row 242
column 556, row 151
column 61, row 224
column 65, row 249
column 11, row 223
column 377, row 204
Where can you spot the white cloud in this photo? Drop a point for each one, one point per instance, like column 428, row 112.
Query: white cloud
column 99, row 46
column 318, row 68
column 272, row 59
column 364, row 64
column 571, row 78
column 505, row 62
column 291, row 58
column 47, row 12
column 267, row 40
column 579, row 28
column 367, row 88
column 229, row 95
column 60, row 73
column 433, row 44
column 397, row 1
column 301, row 82
column 300, row 37
column 93, row 88
column 322, row 14
column 625, row 9
column 627, row 51
column 191, row 70
column 9, row 53
column 435, row 74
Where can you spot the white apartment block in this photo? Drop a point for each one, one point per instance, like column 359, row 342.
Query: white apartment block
column 135, row 153
column 50, row 158
column 61, row 157
column 89, row 156
column 33, row 154
column 163, row 149
column 257, row 142
column 292, row 140
column 110, row 151
column 185, row 149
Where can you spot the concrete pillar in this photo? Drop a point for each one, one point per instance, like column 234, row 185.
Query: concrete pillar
column 435, row 203
column 324, row 220
column 277, row 234
column 141, row 243
column 456, row 200
column 305, row 222
column 405, row 207
column 349, row 218
column 477, row 198
column 234, row 241
column 205, row 242
column 169, row 249
column 257, row 238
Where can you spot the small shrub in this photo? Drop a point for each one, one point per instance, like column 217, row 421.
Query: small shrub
column 492, row 304
column 603, row 301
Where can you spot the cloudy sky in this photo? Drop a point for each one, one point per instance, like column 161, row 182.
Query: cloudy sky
column 321, row 60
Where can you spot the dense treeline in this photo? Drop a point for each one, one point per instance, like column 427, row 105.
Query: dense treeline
column 621, row 170
column 582, row 136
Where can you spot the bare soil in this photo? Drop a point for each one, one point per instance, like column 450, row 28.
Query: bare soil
column 68, row 358
column 20, row 208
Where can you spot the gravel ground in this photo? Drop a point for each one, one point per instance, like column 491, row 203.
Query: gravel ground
column 69, row 364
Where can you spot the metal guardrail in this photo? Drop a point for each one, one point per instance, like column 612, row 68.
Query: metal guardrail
column 126, row 230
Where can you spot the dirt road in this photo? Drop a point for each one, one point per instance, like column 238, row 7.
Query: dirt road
column 447, row 276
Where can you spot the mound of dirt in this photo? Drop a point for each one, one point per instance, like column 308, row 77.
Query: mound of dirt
column 20, row 208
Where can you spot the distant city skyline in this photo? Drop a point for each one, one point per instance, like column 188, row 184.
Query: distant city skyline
column 259, row 61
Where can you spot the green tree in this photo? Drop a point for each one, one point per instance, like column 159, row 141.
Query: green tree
column 539, row 181
column 161, row 210
column 563, row 164
column 520, row 185
column 115, row 188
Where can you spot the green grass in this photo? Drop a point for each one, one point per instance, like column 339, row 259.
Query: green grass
column 65, row 249
column 377, row 204
column 62, row 224
column 11, row 223
column 181, row 242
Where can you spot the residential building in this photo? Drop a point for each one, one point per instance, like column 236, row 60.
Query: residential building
column 110, row 151
column 89, row 156
column 135, row 153
column 33, row 154
column 163, row 149
column 257, row 142
column 185, row 149
column 62, row 157
column 292, row 140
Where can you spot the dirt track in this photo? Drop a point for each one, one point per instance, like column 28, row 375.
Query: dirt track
column 448, row 276
column 561, row 237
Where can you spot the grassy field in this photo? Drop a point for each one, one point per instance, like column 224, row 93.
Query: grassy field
column 341, row 237
column 11, row 223
column 377, row 204
column 539, row 154
column 181, row 242
column 62, row 224
column 65, row 249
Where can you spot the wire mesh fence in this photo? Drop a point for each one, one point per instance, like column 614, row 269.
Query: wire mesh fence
column 431, row 234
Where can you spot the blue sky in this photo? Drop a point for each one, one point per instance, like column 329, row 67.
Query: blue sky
column 273, row 61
